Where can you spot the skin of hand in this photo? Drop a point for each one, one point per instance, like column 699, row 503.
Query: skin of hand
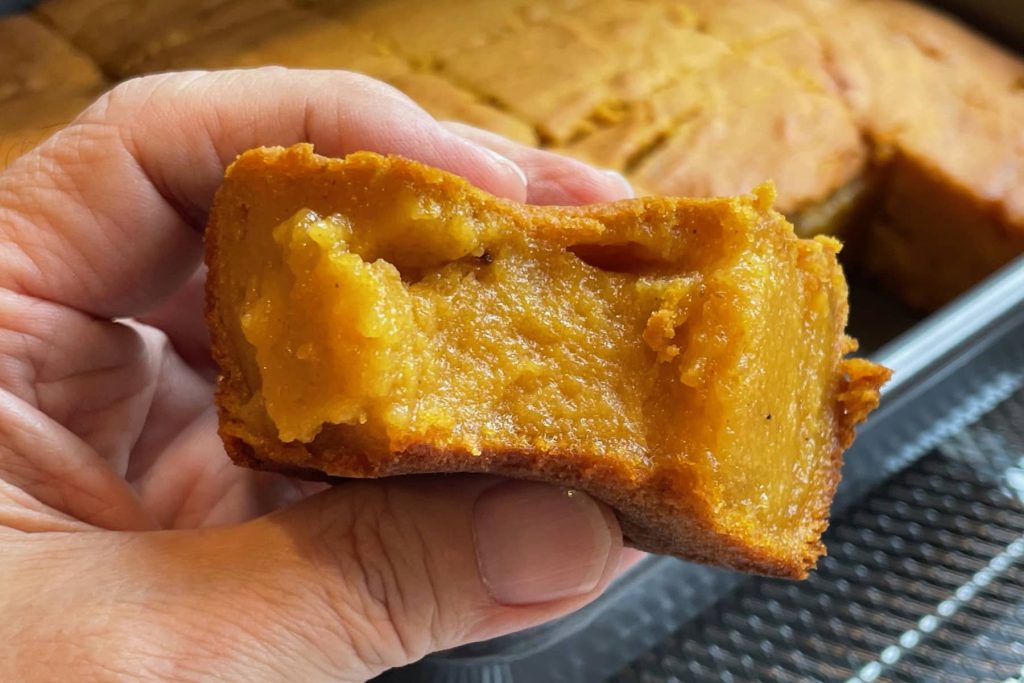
column 131, row 547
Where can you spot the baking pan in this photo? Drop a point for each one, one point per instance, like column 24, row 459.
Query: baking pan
column 13, row 6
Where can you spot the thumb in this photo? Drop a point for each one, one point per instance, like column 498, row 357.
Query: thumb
column 382, row 573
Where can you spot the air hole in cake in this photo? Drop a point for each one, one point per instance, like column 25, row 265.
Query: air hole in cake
column 628, row 257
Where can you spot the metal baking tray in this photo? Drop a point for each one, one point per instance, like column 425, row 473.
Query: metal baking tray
column 15, row 6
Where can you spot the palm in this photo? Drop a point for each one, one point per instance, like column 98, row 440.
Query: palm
column 133, row 412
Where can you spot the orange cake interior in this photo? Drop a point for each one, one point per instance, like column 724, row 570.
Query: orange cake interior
column 680, row 359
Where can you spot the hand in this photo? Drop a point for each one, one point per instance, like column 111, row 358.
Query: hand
column 132, row 547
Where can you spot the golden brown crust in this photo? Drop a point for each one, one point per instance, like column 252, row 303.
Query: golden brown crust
column 35, row 59
column 647, row 522
column 858, row 395
column 121, row 36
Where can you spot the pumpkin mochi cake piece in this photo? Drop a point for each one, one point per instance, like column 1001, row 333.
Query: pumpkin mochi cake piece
column 682, row 360
column 37, row 60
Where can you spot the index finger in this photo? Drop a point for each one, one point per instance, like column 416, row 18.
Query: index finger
column 106, row 216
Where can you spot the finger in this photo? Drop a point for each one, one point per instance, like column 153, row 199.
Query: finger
column 552, row 178
column 106, row 215
column 180, row 317
column 83, row 402
column 194, row 484
column 374, row 575
column 48, row 470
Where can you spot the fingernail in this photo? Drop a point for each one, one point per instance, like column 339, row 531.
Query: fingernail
column 627, row 187
column 505, row 161
column 537, row 543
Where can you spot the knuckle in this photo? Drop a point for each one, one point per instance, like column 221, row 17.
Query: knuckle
column 112, row 104
column 122, row 104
